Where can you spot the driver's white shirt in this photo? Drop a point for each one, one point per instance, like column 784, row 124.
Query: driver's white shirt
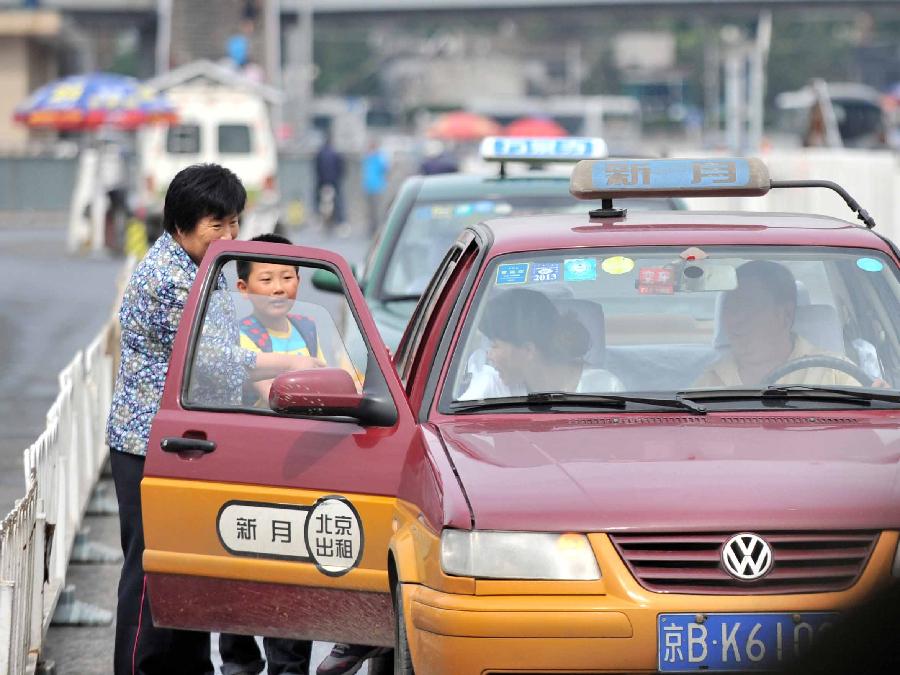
column 487, row 383
column 725, row 372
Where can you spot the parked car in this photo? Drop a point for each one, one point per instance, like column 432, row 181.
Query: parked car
column 429, row 212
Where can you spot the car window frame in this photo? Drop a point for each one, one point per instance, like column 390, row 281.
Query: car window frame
column 444, row 400
column 199, row 317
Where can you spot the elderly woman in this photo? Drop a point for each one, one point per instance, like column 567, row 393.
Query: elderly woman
column 202, row 204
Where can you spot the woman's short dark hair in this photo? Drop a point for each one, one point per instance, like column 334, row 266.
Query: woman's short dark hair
column 521, row 316
column 199, row 191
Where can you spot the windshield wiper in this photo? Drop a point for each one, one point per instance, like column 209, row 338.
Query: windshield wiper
column 795, row 391
column 849, row 394
column 561, row 398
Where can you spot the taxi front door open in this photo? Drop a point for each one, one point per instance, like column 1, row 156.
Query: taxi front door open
column 268, row 524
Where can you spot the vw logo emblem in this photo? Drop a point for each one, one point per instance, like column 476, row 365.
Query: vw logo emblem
column 747, row 556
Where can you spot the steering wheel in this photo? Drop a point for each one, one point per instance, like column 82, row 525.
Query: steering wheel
column 831, row 362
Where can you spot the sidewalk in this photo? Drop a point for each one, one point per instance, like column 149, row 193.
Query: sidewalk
column 87, row 650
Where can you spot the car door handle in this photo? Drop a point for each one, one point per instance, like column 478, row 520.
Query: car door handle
column 178, row 444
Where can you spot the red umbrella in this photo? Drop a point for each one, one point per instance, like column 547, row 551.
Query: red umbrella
column 462, row 126
column 535, row 126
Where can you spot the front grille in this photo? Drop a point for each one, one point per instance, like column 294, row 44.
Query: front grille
column 803, row 562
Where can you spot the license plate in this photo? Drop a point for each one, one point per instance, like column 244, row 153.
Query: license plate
column 730, row 642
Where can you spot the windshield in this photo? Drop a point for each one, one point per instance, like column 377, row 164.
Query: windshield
column 670, row 320
column 432, row 227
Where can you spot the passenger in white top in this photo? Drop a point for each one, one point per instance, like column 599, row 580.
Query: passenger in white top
column 533, row 348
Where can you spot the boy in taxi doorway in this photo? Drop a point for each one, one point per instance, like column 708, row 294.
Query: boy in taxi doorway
column 272, row 290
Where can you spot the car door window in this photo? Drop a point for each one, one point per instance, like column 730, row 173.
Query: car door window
column 266, row 305
column 409, row 348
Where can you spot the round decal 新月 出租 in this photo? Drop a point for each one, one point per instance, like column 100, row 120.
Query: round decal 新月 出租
column 334, row 535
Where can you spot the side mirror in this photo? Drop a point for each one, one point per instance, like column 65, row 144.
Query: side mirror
column 328, row 281
column 326, row 392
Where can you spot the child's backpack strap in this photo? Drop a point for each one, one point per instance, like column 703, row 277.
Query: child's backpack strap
column 307, row 329
column 253, row 329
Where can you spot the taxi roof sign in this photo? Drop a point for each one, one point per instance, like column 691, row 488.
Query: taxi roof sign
column 527, row 149
column 704, row 177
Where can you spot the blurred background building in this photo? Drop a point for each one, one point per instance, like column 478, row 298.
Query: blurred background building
column 698, row 73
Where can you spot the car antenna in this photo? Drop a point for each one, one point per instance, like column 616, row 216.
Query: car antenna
column 860, row 212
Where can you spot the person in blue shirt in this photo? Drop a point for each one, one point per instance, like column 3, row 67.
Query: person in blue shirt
column 375, row 169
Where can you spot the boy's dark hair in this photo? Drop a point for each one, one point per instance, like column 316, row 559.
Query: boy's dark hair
column 199, row 191
column 244, row 266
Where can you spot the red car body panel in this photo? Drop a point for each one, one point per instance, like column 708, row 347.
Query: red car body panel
column 674, row 228
column 722, row 472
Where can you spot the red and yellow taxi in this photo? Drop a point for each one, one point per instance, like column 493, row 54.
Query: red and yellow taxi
column 624, row 441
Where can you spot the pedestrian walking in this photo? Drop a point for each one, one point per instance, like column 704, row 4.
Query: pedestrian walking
column 329, row 179
column 375, row 168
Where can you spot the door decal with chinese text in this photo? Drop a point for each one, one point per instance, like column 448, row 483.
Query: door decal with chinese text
column 329, row 533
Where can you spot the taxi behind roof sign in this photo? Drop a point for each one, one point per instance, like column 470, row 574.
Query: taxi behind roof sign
column 524, row 149
column 705, row 177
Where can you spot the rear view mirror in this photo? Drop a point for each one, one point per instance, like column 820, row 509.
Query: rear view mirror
column 704, row 275
column 317, row 391
column 328, row 392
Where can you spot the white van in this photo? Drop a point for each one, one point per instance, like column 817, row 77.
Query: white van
column 216, row 123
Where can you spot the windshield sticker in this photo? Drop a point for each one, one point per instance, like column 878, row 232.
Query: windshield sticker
column 464, row 209
column 328, row 534
column 484, row 207
column 512, row 273
column 870, row 264
column 656, row 281
column 617, row 264
column 503, row 209
column 544, row 271
column 580, row 269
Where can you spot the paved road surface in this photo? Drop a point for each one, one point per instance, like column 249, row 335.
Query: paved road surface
column 51, row 305
column 88, row 650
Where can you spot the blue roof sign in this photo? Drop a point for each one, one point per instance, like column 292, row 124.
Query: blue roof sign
column 523, row 149
column 716, row 176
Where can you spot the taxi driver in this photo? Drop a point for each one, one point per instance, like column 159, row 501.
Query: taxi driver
column 758, row 317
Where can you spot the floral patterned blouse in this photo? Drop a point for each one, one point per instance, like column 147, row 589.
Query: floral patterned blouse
column 152, row 306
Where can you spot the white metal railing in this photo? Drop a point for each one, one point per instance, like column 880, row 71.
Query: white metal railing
column 62, row 468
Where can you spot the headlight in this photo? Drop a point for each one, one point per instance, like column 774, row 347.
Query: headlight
column 518, row 555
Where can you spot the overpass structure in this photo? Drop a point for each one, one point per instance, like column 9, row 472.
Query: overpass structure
column 325, row 7
column 369, row 6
